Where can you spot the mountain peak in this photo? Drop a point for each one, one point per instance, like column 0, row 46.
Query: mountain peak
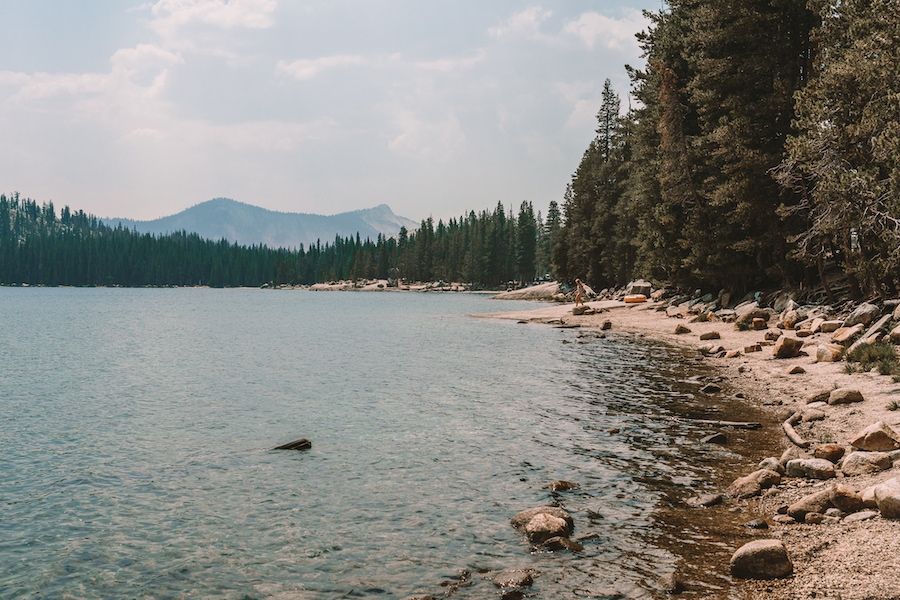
column 247, row 224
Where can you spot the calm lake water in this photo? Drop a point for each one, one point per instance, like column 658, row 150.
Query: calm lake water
column 137, row 428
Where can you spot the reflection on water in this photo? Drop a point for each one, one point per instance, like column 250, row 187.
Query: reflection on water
column 137, row 429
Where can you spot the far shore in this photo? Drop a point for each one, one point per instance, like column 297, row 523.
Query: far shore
column 838, row 560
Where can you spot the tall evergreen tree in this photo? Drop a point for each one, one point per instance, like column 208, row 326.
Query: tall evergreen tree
column 845, row 160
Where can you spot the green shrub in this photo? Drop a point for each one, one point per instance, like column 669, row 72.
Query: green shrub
column 893, row 405
column 883, row 355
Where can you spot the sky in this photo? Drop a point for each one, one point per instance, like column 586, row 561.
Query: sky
column 126, row 108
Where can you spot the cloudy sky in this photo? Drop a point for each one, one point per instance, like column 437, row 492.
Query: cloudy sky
column 140, row 109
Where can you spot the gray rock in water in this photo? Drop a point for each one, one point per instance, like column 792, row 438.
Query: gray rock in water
column 561, row 486
column 521, row 519
column 761, row 559
column 301, row 444
column 670, row 583
column 753, row 484
column 514, row 578
column 705, row 500
column 559, row 543
column 542, row 527
column 756, row 524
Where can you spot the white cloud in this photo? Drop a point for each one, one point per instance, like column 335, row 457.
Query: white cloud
column 431, row 138
column 132, row 87
column 447, row 65
column 228, row 14
column 526, row 22
column 615, row 34
column 306, row 69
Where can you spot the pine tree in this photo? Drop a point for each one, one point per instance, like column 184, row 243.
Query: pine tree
column 845, row 161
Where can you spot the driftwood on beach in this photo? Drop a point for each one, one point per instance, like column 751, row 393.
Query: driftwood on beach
column 789, row 431
column 733, row 424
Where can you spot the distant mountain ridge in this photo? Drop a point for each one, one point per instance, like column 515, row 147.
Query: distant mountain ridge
column 247, row 225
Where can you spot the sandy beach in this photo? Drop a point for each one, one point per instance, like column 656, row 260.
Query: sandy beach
column 840, row 558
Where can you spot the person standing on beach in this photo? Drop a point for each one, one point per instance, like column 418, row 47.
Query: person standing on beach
column 579, row 292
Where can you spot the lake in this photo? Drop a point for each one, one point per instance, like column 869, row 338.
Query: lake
column 138, row 427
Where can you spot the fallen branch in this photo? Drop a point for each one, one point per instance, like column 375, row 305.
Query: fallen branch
column 734, row 424
column 789, row 431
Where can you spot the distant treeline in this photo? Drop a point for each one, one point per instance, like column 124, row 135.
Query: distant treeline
column 761, row 149
column 39, row 247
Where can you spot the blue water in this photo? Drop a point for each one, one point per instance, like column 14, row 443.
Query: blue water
column 137, row 427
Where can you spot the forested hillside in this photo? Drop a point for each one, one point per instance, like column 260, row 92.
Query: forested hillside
column 762, row 150
column 39, row 247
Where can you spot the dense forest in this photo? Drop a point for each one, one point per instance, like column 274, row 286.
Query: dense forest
column 761, row 151
column 39, row 247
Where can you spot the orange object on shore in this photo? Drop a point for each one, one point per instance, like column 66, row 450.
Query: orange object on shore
column 634, row 298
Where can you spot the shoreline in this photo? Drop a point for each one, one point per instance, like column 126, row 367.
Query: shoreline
column 846, row 560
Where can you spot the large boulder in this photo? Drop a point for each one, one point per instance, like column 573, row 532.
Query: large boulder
column 877, row 437
column 894, row 336
column 887, row 497
column 761, row 559
column 845, row 334
column 787, row 347
column 746, row 317
column 639, row 287
column 818, row 502
column 811, row 468
column 753, row 484
column 844, row 396
column 830, row 326
column 863, row 314
column 829, row 352
column 830, row 452
column 863, row 463
column 846, row 498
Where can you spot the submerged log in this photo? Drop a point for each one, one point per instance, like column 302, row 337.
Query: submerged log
column 301, row 444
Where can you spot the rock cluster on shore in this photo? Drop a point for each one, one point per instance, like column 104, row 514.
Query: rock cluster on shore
column 836, row 487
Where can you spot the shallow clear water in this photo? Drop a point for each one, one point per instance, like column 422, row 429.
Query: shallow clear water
column 137, row 428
